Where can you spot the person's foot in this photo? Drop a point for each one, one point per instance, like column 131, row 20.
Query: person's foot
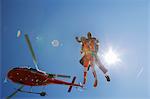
column 107, row 78
column 95, row 83
column 84, row 81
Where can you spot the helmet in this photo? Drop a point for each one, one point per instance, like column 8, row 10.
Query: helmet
column 89, row 34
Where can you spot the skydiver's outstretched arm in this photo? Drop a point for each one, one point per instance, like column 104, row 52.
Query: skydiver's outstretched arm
column 78, row 40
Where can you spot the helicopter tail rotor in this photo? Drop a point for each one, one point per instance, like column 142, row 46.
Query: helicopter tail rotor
column 73, row 81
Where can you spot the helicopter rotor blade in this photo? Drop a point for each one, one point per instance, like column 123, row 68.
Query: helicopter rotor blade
column 31, row 51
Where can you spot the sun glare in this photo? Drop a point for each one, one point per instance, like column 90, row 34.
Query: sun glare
column 111, row 57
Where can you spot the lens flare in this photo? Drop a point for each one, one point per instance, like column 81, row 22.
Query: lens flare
column 111, row 57
column 55, row 43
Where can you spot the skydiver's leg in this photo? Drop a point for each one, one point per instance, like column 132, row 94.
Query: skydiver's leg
column 86, row 63
column 85, row 70
column 88, row 68
column 102, row 67
column 81, row 61
column 85, row 75
column 95, row 76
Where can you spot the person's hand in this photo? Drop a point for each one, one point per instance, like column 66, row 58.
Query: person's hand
column 77, row 38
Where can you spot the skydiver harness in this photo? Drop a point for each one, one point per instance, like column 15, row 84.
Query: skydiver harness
column 90, row 54
column 93, row 53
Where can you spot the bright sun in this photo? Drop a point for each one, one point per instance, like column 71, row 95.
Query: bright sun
column 111, row 57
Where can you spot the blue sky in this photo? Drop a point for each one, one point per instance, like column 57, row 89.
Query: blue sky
column 121, row 24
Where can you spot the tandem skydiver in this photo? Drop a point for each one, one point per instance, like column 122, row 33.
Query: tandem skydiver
column 87, row 59
column 93, row 45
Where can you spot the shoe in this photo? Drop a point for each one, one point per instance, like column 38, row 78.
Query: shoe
column 107, row 78
column 84, row 81
column 95, row 83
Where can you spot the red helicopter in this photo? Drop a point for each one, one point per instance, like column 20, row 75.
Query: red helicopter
column 27, row 76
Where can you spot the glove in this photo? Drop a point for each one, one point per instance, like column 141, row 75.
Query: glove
column 77, row 38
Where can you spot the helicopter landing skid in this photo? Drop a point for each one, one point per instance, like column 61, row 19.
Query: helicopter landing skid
column 41, row 93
